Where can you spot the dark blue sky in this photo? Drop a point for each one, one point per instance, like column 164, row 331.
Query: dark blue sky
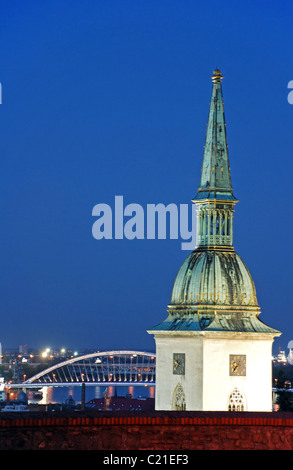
column 111, row 98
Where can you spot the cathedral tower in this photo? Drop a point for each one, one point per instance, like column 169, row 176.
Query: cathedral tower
column 213, row 351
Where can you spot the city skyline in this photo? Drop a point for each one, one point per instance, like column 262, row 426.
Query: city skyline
column 101, row 101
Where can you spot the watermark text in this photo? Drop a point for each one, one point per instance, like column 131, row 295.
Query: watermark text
column 290, row 95
column 155, row 221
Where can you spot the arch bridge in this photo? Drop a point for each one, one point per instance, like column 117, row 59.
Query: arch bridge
column 105, row 368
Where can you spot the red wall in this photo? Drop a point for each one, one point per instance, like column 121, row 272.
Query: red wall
column 145, row 431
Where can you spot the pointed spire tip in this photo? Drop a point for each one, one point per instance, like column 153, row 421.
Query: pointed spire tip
column 217, row 75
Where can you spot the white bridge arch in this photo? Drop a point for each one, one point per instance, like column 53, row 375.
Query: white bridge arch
column 105, row 368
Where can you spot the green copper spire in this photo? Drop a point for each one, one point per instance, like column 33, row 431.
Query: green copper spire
column 215, row 200
column 215, row 182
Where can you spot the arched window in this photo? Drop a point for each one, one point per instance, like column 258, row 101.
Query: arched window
column 236, row 401
column 179, row 403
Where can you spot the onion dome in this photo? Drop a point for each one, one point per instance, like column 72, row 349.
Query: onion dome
column 214, row 278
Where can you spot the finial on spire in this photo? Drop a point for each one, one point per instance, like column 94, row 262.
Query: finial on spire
column 217, row 75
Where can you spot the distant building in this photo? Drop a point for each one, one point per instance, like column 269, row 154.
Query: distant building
column 23, row 349
column 213, row 352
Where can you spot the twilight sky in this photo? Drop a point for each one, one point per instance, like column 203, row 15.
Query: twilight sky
column 111, row 98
